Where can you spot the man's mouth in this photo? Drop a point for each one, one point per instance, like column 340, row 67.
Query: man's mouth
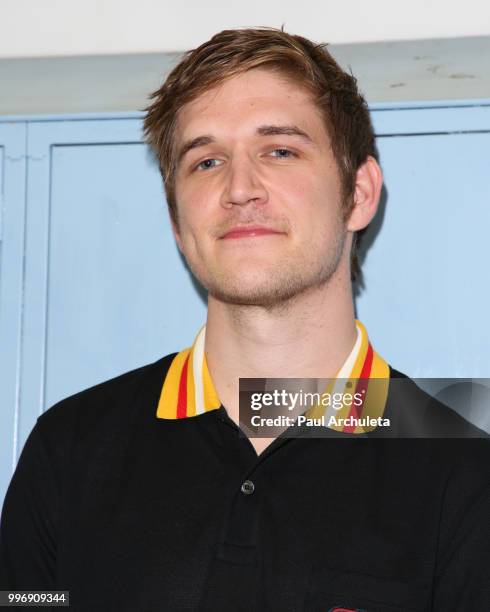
column 250, row 231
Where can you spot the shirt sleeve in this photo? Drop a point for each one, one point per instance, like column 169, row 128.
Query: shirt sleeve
column 462, row 577
column 28, row 521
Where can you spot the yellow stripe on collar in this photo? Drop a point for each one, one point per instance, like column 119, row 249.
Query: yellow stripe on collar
column 188, row 389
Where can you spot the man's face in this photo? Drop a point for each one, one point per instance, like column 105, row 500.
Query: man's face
column 258, row 154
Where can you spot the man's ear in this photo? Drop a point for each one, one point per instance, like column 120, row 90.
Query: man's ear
column 369, row 180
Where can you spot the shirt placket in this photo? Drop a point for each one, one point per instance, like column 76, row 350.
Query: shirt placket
column 234, row 577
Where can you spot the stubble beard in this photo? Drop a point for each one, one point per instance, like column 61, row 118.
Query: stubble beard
column 279, row 285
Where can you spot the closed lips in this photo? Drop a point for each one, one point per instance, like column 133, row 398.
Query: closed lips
column 251, row 230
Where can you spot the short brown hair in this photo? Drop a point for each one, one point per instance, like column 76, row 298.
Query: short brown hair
column 232, row 52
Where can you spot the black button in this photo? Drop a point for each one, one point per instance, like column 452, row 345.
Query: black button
column 248, row 487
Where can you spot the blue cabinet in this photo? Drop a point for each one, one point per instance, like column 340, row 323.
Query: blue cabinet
column 427, row 292
column 92, row 284
column 12, row 222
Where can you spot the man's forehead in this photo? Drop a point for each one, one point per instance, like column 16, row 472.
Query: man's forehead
column 250, row 107
column 257, row 87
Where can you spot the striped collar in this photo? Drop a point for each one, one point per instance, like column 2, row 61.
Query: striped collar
column 188, row 389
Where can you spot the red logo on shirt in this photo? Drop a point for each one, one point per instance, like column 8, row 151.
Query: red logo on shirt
column 336, row 609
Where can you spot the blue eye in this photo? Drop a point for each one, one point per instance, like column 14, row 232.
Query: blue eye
column 206, row 164
column 287, row 153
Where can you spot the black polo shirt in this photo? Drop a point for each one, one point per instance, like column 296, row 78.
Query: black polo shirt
column 134, row 513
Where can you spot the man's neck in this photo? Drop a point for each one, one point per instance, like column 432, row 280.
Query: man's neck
column 309, row 337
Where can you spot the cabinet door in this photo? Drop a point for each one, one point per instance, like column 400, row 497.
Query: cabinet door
column 106, row 289
column 427, row 293
column 12, row 211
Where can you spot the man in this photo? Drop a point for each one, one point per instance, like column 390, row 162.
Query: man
column 140, row 494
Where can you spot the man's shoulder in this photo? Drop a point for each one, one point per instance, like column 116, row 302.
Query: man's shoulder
column 112, row 401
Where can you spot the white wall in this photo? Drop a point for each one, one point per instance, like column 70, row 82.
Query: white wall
column 33, row 28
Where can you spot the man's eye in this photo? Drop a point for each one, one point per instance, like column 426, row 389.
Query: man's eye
column 206, row 164
column 283, row 153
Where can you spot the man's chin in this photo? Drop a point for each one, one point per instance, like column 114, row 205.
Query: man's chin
column 263, row 297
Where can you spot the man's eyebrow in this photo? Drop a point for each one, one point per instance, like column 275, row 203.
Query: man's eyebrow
column 283, row 130
column 263, row 130
column 193, row 143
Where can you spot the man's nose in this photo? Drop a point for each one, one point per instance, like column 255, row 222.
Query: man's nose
column 242, row 184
